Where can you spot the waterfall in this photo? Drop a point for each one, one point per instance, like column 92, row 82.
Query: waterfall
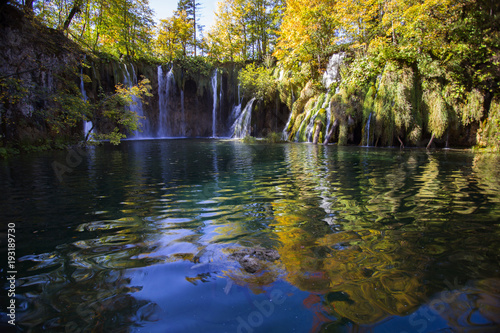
column 235, row 113
column 242, row 125
column 333, row 69
column 214, row 109
column 87, row 125
column 285, row 132
column 328, row 116
column 163, row 98
column 183, row 114
column 220, row 100
column 368, row 130
column 136, row 105
column 310, row 127
column 162, row 101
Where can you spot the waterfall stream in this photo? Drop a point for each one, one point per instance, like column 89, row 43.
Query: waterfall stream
column 368, row 130
column 183, row 112
column 164, row 84
column 87, row 124
column 242, row 124
column 136, row 105
column 214, row 109
column 332, row 72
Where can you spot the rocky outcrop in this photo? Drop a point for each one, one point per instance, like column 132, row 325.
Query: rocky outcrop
column 254, row 259
column 35, row 63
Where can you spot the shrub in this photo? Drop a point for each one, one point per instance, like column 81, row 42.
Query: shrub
column 258, row 82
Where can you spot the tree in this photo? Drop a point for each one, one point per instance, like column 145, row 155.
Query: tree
column 308, row 34
column 191, row 7
column 118, row 27
column 112, row 108
column 245, row 29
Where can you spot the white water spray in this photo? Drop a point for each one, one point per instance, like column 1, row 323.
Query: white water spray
column 87, row 125
column 136, row 105
column 242, row 125
column 164, row 85
column 214, row 109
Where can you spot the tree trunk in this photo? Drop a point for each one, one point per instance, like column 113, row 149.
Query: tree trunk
column 28, row 6
column 76, row 9
column 194, row 26
column 401, row 145
column 430, row 141
column 88, row 133
column 330, row 132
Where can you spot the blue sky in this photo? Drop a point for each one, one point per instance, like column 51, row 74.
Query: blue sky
column 165, row 8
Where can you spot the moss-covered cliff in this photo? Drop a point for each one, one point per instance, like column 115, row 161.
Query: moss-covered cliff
column 398, row 104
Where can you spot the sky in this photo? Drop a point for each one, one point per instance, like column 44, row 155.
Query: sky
column 165, row 8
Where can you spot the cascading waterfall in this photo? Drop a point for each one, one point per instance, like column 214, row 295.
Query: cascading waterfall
column 183, row 114
column 162, row 101
column 332, row 72
column 305, row 130
column 136, row 105
column 87, row 125
column 214, row 109
column 242, row 125
column 368, row 130
column 285, row 133
column 310, row 126
column 220, row 100
column 235, row 113
column 328, row 116
column 163, row 97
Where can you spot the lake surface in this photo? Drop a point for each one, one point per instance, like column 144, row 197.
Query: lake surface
column 141, row 238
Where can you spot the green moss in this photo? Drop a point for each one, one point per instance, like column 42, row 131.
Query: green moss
column 488, row 135
column 274, row 137
column 343, row 132
column 436, row 109
column 368, row 102
column 321, row 116
column 473, row 108
column 249, row 139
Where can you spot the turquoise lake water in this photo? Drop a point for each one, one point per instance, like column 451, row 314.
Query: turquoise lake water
column 141, row 238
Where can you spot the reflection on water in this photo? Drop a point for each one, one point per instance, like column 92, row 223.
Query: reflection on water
column 140, row 238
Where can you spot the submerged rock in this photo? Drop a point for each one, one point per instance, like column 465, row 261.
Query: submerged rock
column 252, row 259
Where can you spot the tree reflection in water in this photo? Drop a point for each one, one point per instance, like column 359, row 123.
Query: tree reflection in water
column 368, row 238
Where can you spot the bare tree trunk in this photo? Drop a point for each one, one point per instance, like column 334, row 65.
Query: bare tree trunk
column 430, row 141
column 330, row 132
column 88, row 133
column 401, row 145
column 194, row 26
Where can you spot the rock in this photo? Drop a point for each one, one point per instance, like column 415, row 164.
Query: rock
column 317, row 132
column 251, row 265
column 251, row 259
